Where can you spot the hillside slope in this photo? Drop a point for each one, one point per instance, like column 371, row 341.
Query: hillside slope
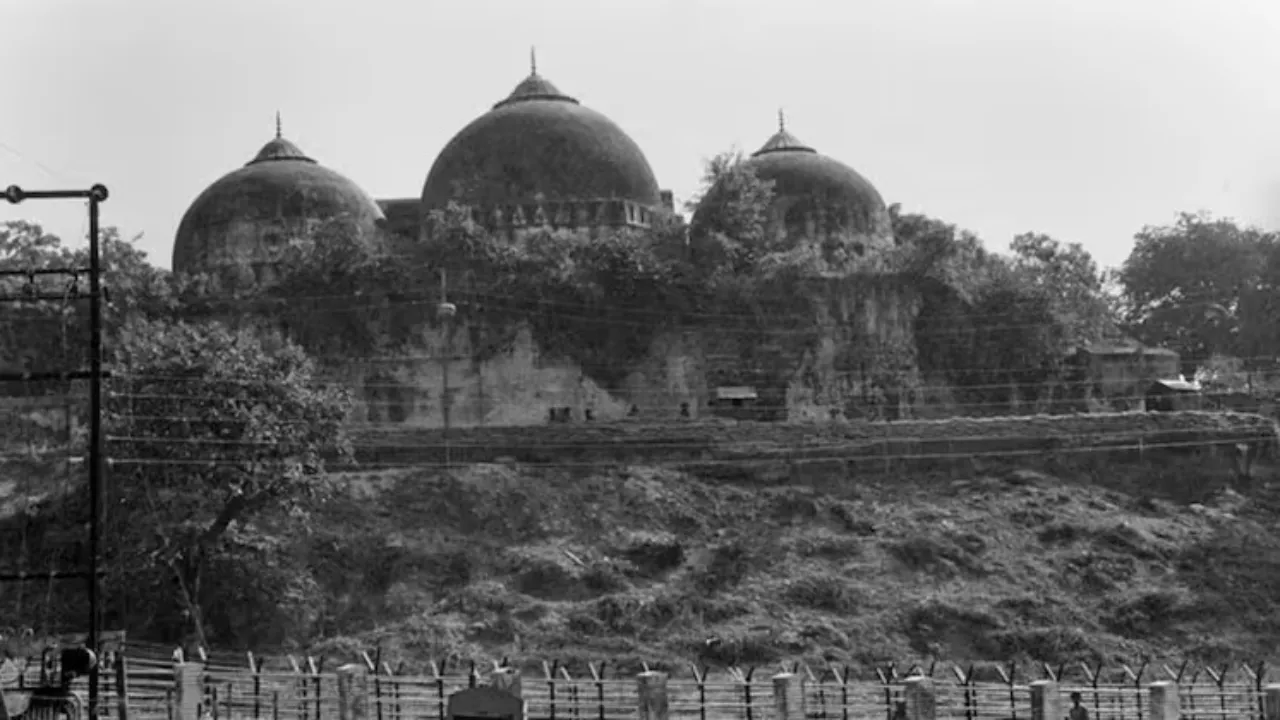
column 646, row 563
column 1086, row 556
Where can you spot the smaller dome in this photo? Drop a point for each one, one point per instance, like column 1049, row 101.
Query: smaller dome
column 797, row 170
column 239, row 222
column 816, row 196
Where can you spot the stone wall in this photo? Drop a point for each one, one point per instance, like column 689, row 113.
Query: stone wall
column 519, row 385
column 827, row 354
column 859, row 318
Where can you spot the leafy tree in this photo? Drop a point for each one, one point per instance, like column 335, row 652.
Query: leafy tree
column 337, row 291
column 988, row 325
column 216, row 435
column 52, row 335
column 1183, row 285
column 1259, row 333
column 730, row 216
column 1070, row 279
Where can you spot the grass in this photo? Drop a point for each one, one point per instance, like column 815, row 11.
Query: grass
column 636, row 563
column 1029, row 562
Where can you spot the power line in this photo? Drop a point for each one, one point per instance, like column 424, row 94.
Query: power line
column 320, row 382
column 1138, row 446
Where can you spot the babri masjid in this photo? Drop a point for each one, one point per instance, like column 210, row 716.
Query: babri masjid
column 540, row 158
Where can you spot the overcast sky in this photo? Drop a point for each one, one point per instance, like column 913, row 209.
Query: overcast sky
column 1084, row 119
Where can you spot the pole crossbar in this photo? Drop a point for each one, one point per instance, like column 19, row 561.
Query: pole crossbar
column 96, row 195
column 44, row 297
column 47, row 376
column 50, row 575
column 44, row 271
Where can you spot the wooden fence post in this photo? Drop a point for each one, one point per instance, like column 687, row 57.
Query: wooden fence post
column 507, row 679
column 395, row 687
column 597, row 676
column 788, row 696
column 1164, row 701
column 1046, row 700
column 437, row 674
column 188, row 679
column 122, row 686
column 921, row 701
column 371, row 665
column 651, row 687
column 575, row 704
column 353, row 692
column 255, row 667
column 549, row 672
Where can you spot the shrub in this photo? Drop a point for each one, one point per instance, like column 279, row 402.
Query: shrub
column 730, row 562
column 822, row 592
column 655, row 554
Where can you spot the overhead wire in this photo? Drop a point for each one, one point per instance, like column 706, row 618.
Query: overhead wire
column 431, row 298
column 1139, row 446
column 592, row 313
column 606, row 443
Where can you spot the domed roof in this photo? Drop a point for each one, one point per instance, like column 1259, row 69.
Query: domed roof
column 539, row 141
column 278, row 189
column 798, row 170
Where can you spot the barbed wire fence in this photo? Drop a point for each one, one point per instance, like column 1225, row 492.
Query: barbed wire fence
column 148, row 686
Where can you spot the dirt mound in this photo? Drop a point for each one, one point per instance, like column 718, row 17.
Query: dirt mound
column 632, row 563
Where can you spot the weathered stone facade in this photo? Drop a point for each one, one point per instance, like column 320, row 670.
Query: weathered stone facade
column 538, row 159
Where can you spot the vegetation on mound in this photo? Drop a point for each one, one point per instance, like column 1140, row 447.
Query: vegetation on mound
column 954, row 440
column 632, row 564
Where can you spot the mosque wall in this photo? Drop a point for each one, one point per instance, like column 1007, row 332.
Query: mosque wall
column 864, row 358
column 854, row 355
column 519, row 385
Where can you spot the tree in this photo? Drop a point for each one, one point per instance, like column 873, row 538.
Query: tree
column 1183, row 285
column 731, row 214
column 53, row 336
column 213, row 433
column 336, row 289
column 987, row 324
column 1069, row 277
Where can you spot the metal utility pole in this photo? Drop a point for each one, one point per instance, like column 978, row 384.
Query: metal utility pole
column 445, row 311
column 96, row 195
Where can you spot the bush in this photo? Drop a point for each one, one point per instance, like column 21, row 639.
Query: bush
column 828, row 546
column 730, row 562
column 1148, row 614
column 822, row 592
column 655, row 554
column 940, row 556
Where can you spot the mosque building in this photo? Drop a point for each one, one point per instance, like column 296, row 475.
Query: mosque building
column 537, row 158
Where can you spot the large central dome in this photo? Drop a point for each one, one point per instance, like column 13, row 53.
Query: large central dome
column 539, row 143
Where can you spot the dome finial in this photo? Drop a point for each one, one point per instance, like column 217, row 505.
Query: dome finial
column 279, row 134
column 533, row 60
column 782, row 121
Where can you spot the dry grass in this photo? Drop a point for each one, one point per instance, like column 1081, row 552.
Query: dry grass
column 639, row 563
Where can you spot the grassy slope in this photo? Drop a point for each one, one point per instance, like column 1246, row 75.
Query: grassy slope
column 644, row 563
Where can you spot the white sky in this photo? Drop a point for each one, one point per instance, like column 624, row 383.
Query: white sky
column 1084, row 119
